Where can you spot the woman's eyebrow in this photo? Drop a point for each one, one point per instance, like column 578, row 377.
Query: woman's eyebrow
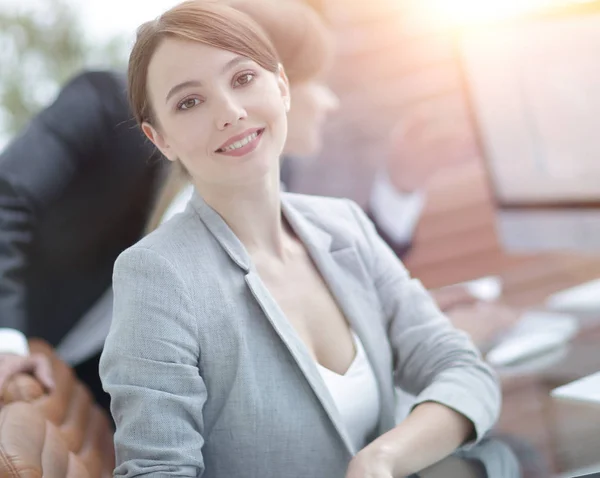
column 182, row 86
column 234, row 62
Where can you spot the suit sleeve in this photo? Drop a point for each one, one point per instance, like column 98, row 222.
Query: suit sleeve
column 149, row 367
column 34, row 170
column 432, row 360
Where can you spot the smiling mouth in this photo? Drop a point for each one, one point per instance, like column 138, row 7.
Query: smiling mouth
column 241, row 143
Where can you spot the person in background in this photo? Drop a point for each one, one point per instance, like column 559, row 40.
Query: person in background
column 397, row 199
column 216, row 362
column 75, row 190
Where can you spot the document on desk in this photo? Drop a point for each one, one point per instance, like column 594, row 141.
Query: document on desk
column 586, row 389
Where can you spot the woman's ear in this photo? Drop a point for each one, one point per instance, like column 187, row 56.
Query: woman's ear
column 158, row 140
column 284, row 87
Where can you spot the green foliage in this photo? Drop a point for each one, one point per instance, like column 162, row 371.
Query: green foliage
column 39, row 51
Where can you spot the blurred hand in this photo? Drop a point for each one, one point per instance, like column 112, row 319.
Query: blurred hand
column 422, row 144
column 483, row 321
column 453, row 296
column 36, row 364
column 370, row 462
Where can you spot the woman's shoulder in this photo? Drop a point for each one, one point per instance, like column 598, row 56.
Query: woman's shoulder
column 173, row 241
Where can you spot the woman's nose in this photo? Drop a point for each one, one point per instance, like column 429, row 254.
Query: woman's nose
column 228, row 112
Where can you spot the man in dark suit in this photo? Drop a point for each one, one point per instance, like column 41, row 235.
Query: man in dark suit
column 75, row 189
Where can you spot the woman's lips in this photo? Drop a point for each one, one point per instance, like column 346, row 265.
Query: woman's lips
column 247, row 143
column 237, row 138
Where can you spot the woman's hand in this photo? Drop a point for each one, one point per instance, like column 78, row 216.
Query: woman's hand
column 36, row 364
column 370, row 462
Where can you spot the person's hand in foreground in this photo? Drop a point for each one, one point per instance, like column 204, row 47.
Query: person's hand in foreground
column 37, row 365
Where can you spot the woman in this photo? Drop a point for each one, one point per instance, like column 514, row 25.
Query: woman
column 303, row 44
column 259, row 333
column 304, row 48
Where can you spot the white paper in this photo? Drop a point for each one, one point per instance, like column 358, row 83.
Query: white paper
column 585, row 389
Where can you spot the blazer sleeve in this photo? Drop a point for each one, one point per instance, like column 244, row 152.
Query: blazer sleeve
column 149, row 367
column 34, row 169
column 432, row 360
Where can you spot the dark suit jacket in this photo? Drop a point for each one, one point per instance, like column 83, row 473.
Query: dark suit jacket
column 75, row 189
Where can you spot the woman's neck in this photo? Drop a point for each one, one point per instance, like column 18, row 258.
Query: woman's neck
column 253, row 213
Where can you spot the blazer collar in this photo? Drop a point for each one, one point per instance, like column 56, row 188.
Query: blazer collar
column 337, row 259
column 314, row 237
column 221, row 232
column 334, row 258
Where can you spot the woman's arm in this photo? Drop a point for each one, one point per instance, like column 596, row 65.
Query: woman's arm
column 430, row 433
column 457, row 394
column 149, row 367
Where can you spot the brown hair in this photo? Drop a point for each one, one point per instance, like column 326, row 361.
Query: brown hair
column 203, row 21
column 301, row 38
column 304, row 47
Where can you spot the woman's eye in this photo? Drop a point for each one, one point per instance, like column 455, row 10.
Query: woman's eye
column 189, row 103
column 244, row 79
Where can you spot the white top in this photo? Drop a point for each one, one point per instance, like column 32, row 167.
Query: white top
column 355, row 395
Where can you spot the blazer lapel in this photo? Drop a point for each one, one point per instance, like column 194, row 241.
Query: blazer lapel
column 339, row 264
column 299, row 352
column 236, row 250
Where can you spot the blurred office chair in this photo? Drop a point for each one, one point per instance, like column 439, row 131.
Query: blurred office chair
column 58, row 435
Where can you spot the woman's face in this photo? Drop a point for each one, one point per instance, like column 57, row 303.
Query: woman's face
column 221, row 114
column 311, row 102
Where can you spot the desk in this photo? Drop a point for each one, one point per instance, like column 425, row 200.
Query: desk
column 565, row 433
column 546, row 436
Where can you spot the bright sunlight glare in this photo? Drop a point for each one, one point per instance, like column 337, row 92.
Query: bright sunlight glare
column 472, row 12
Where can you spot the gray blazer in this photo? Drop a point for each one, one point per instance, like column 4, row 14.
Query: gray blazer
column 208, row 378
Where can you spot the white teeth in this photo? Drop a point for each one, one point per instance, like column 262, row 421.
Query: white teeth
column 242, row 142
